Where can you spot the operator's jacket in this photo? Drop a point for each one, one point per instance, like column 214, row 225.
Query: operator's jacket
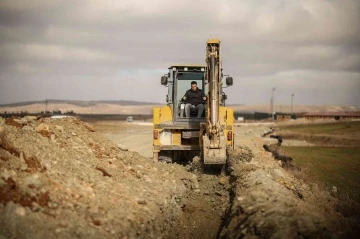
column 194, row 97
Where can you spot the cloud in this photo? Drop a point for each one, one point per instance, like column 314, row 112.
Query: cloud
column 104, row 49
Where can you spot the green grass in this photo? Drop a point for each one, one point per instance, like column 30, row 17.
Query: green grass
column 339, row 134
column 339, row 128
column 338, row 167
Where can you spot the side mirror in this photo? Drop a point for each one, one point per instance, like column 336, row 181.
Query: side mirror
column 164, row 80
column 229, row 81
column 224, row 97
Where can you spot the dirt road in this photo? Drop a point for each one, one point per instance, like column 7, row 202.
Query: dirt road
column 135, row 135
column 63, row 178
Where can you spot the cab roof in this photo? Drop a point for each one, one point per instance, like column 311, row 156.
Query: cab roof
column 187, row 65
column 213, row 40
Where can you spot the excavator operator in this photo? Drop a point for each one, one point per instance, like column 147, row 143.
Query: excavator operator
column 194, row 98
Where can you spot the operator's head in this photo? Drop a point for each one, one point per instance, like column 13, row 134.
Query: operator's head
column 194, row 85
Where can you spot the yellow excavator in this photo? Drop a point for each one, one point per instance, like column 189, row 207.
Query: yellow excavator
column 177, row 136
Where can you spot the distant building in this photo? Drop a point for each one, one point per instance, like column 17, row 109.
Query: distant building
column 129, row 119
column 284, row 116
column 332, row 115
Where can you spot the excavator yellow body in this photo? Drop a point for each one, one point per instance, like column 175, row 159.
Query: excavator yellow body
column 177, row 137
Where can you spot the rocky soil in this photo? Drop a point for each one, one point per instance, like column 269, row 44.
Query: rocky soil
column 268, row 202
column 59, row 178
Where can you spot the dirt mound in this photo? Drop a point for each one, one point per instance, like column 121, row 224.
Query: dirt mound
column 267, row 202
column 67, row 181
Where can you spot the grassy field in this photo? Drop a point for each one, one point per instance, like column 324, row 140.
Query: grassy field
column 339, row 134
column 338, row 167
column 334, row 161
column 351, row 128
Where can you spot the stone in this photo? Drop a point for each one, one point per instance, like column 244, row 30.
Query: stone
column 277, row 174
column 47, row 165
column 89, row 127
column 24, row 167
column 195, row 185
column 122, row 147
column 240, row 198
column 141, row 201
column 52, row 137
column 22, row 121
column 6, row 174
column 33, row 180
column 20, row 211
column 43, row 129
column 222, row 181
column 30, row 118
column 217, row 193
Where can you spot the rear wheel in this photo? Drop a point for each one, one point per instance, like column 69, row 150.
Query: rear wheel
column 166, row 156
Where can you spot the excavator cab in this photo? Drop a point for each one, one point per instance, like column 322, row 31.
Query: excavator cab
column 178, row 80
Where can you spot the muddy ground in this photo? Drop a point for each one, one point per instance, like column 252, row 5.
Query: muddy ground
column 63, row 178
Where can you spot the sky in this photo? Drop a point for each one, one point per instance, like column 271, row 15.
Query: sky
column 118, row 50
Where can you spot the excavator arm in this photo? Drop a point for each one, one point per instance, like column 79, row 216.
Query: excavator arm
column 213, row 138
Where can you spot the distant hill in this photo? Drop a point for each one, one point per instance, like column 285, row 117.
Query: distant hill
column 145, row 108
column 81, row 107
column 81, row 103
column 296, row 108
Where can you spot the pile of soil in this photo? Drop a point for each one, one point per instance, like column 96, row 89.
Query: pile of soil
column 269, row 202
column 61, row 179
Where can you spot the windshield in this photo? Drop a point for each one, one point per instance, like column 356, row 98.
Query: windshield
column 196, row 76
column 184, row 80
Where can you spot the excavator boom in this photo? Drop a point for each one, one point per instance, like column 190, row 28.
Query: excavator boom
column 214, row 142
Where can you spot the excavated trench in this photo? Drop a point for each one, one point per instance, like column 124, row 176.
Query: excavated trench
column 204, row 208
column 258, row 200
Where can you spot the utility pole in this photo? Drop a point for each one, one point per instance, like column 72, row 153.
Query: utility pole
column 46, row 106
column 270, row 109
column 292, row 102
column 272, row 102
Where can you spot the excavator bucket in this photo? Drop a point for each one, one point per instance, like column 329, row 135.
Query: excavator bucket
column 214, row 154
